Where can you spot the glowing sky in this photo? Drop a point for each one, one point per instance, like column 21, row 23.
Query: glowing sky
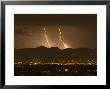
column 51, row 30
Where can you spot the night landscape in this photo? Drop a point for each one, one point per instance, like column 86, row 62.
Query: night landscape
column 55, row 45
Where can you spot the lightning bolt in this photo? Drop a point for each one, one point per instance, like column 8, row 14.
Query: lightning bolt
column 60, row 38
column 46, row 37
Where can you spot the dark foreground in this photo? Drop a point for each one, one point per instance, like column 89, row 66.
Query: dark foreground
column 55, row 70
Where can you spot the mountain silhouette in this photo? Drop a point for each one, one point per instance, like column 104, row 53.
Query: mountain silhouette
column 55, row 53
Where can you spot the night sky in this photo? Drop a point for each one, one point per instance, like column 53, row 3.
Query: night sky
column 77, row 30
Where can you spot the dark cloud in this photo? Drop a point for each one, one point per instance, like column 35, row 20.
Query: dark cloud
column 20, row 31
column 24, row 30
column 78, row 30
column 54, row 19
